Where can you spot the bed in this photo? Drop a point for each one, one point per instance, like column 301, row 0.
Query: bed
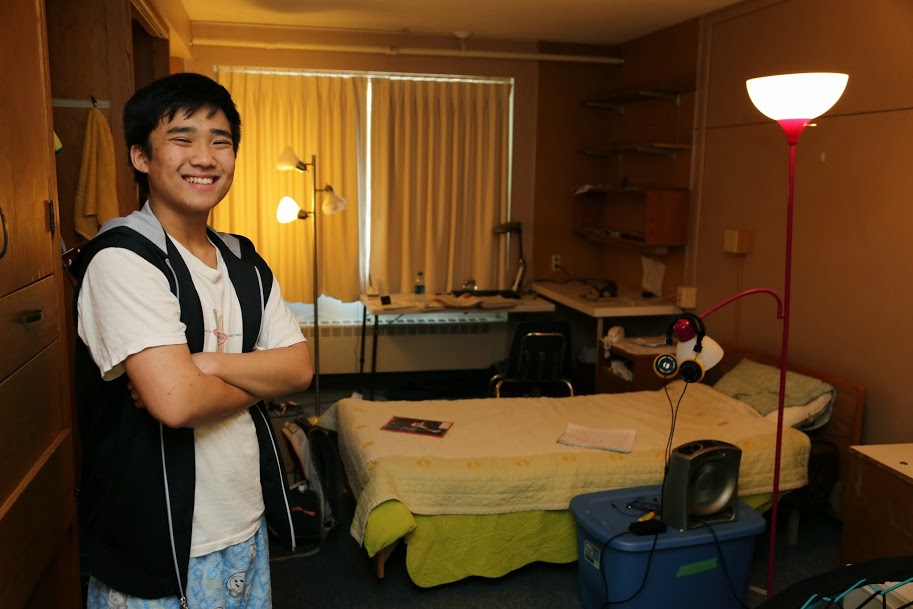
column 492, row 495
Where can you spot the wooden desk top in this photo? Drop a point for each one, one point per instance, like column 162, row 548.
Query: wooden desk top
column 897, row 458
column 628, row 303
column 404, row 304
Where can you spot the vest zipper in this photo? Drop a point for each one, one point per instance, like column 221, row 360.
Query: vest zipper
column 262, row 301
column 177, row 289
column 174, row 552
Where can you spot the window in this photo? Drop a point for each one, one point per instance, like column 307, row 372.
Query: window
column 423, row 160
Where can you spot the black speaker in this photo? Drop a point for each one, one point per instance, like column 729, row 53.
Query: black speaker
column 701, row 484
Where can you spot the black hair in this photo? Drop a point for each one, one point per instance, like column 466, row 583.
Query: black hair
column 162, row 99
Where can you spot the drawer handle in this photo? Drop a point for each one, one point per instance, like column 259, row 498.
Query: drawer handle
column 5, row 236
column 31, row 317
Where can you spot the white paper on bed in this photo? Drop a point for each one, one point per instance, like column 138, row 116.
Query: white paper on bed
column 501, row 454
column 619, row 440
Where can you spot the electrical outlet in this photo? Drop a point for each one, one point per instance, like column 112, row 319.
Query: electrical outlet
column 556, row 262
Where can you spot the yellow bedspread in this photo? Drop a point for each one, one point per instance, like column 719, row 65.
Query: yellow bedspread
column 501, row 456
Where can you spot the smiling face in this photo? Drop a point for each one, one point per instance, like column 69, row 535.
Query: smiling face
column 191, row 162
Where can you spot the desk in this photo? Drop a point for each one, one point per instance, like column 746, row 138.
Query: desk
column 410, row 304
column 877, row 495
column 628, row 303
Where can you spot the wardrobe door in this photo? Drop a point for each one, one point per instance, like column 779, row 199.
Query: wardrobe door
column 27, row 143
column 39, row 564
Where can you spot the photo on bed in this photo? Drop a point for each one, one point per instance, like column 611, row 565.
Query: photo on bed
column 422, row 427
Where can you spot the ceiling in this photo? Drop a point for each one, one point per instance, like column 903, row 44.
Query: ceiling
column 575, row 21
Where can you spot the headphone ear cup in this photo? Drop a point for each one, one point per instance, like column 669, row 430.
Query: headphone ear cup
column 665, row 365
column 691, row 371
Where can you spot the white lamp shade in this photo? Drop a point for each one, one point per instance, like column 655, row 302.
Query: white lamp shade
column 288, row 160
column 332, row 202
column 711, row 352
column 796, row 96
column 287, row 211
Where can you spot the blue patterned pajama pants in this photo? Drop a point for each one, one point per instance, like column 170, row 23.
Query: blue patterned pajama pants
column 234, row 578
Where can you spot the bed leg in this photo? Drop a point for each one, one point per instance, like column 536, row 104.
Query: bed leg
column 792, row 526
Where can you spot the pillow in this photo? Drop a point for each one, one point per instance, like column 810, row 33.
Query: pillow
column 810, row 416
column 759, row 384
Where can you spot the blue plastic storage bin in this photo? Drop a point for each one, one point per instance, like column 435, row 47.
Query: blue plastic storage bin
column 680, row 569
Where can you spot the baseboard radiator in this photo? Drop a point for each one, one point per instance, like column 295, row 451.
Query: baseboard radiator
column 413, row 342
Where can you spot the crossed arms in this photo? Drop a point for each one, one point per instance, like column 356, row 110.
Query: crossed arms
column 181, row 389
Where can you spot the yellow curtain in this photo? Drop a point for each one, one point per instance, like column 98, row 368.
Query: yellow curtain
column 315, row 115
column 440, row 173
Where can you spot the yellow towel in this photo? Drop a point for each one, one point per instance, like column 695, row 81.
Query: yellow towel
column 96, row 192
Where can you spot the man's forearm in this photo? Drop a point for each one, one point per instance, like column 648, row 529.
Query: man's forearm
column 265, row 373
column 224, row 400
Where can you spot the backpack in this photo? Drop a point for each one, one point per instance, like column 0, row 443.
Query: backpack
column 313, row 482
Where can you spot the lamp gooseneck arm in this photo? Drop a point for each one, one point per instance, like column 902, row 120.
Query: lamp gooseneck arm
column 735, row 297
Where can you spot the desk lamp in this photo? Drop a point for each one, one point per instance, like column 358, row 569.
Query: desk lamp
column 514, row 227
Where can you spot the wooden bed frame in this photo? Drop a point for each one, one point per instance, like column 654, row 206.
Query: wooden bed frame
column 844, row 429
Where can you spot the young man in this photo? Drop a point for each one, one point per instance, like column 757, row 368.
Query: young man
column 182, row 332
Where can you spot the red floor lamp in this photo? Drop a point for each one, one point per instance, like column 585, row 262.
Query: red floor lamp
column 793, row 100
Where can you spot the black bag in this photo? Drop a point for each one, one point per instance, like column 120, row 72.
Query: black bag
column 313, row 482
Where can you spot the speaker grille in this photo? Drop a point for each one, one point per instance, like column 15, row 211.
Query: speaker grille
column 712, row 486
column 701, row 484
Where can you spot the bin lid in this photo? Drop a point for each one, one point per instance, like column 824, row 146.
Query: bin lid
column 605, row 516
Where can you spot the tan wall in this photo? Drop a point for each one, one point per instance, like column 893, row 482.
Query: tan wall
column 852, row 252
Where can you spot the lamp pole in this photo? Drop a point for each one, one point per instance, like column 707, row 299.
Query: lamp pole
column 289, row 211
column 793, row 130
column 793, row 101
column 314, row 214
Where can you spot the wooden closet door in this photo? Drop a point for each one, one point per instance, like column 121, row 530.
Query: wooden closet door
column 39, row 561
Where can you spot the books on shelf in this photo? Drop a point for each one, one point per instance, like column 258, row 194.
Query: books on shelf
column 422, row 427
column 617, row 440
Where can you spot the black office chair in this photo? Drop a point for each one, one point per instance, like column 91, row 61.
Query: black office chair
column 539, row 363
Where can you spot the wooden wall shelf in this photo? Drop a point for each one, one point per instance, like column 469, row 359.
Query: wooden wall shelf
column 661, row 217
column 617, row 101
column 655, row 148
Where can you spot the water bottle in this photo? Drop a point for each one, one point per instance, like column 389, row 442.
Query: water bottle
column 420, row 283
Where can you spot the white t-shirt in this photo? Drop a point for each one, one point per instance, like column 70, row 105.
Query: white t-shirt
column 125, row 305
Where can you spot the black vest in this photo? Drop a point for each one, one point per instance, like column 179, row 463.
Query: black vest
column 135, row 530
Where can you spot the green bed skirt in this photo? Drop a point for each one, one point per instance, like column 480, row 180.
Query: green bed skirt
column 449, row 547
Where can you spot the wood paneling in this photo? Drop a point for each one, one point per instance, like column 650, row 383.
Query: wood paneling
column 30, row 423
column 34, row 520
column 851, row 249
column 28, row 323
column 37, row 504
column 25, row 135
column 665, row 60
column 877, row 495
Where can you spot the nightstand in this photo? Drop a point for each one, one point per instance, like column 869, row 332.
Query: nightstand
column 638, row 359
column 877, row 505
